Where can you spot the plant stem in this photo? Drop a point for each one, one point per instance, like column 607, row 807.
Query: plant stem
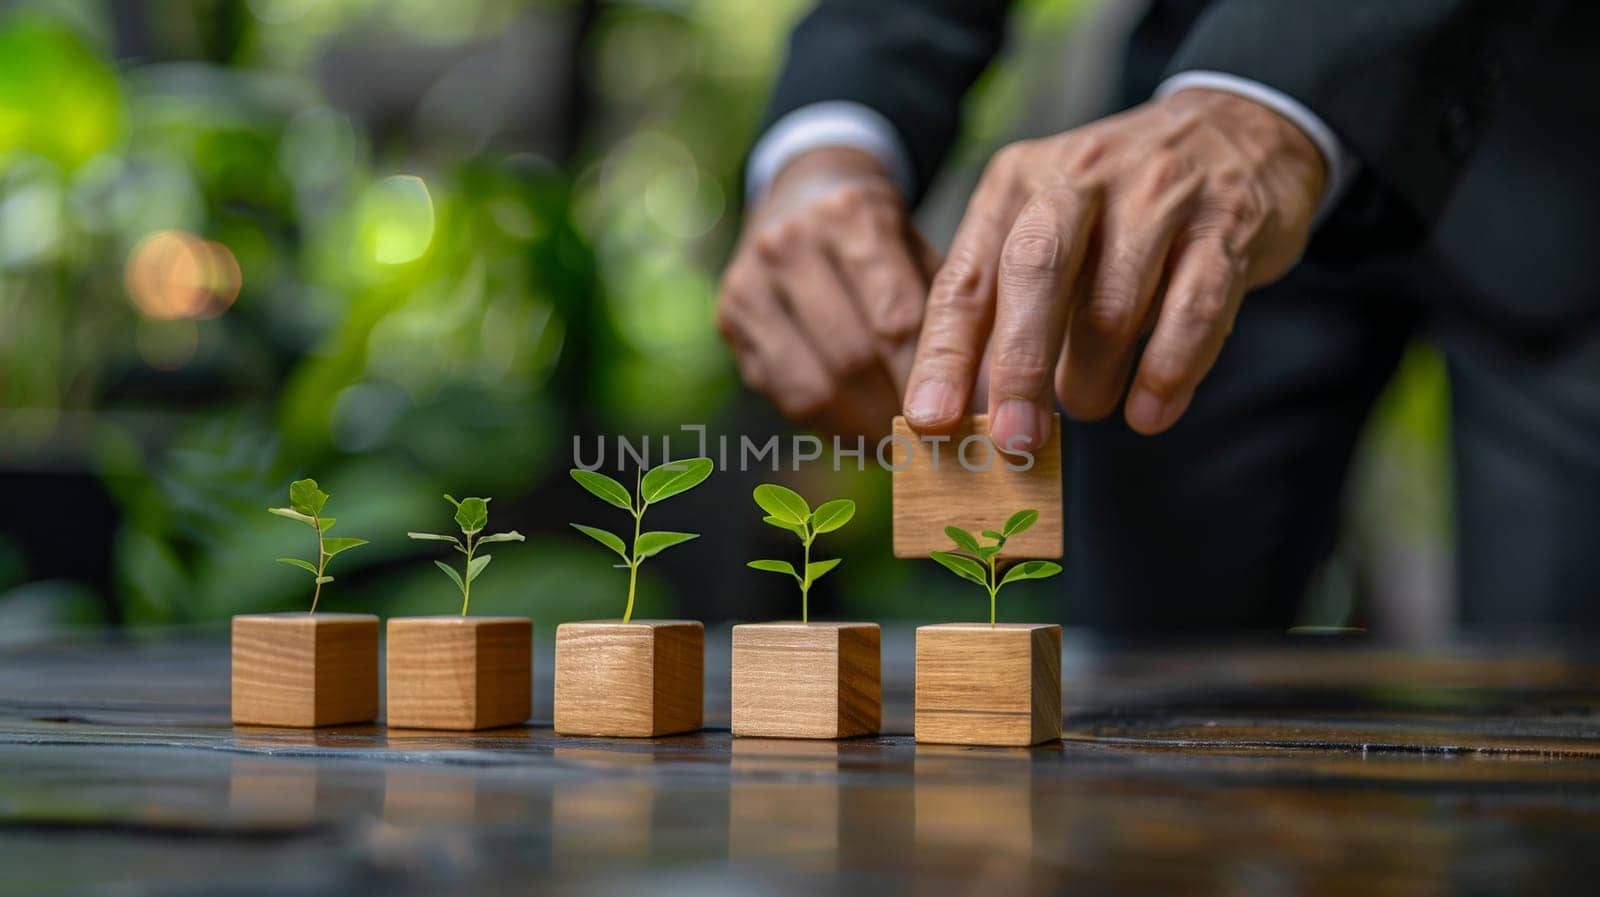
column 805, row 579
column 322, row 563
column 466, row 580
column 993, row 588
column 633, row 562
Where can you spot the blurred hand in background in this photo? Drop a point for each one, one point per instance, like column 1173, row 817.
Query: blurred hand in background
column 823, row 298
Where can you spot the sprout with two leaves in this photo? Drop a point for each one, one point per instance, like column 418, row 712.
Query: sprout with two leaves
column 658, row 485
column 979, row 563
column 306, row 502
column 788, row 511
column 472, row 515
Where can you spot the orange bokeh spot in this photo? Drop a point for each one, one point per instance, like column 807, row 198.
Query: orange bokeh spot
column 173, row 274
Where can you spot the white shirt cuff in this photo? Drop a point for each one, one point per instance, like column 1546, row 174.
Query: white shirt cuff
column 830, row 123
column 1342, row 165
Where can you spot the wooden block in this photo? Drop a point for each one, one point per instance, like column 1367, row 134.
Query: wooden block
column 462, row 673
column 806, row 680
column 927, row 497
column 637, row 680
column 302, row 670
column 997, row 684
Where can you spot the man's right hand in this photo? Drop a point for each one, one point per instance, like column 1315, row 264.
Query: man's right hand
column 823, row 299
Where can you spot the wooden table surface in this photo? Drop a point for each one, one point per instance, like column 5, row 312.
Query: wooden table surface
column 1283, row 768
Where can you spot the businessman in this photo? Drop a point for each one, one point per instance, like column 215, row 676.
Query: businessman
column 1214, row 283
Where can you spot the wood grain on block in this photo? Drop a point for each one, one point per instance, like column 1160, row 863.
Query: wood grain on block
column 997, row 684
column 639, row 679
column 936, row 491
column 459, row 672
column 303, row 670
column 806, row 680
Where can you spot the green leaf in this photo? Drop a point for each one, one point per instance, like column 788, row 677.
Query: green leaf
column 604, row 538
column 1031, row 570
column 472, row 514
column 454, row 576
column 816, row 569
column 988, row 551
column 962, row 538
column 603, row 487
column 326, row 523
column 296, row 562
column 432, row 537
column 1019, row 521
column 334, row 546
column 991, row 534
column 664, row 482
column 962, row 566
column 832, row 515
column 649, row 544
column 305, row 497
column 321, row 580
column 307, row 519
column 783, row 503
column 775, row 567
column 798, row 529
column 512, row 536
column 477, row 564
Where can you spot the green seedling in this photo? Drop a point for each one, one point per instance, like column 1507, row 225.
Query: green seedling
column 305, row 505
column 658, row 485
column 788, row 511
column 472, row 515
column 979, row 563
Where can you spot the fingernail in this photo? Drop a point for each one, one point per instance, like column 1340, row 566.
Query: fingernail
column 1016, row 426
column 1146, row 413
column 932, row 402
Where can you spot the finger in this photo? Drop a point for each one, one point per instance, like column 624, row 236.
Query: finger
column 1038, row 264
column 775, row 359
column 887, row 285
column 955, row 326
column 1196, row 316
column 820, row 304
column 1113, row 308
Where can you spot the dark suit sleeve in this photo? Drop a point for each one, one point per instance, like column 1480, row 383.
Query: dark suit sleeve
column 910, row 60
column 1408, row 85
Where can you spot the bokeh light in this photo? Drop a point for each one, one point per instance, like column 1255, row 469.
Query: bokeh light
column 397, row 219
column 173, row 274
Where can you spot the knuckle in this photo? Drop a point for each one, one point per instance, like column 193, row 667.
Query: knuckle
column 960, row 282
column 1162, row 170
column 1165, row 376
column 1019, row 370
column 1108, row 317
column 776, row 241
column 1034, row 249
column 805, row 401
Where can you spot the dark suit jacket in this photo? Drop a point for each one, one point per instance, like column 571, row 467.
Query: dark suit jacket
column 1476, row 122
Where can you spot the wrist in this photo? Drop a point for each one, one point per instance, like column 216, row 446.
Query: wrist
column 830, row 164
column 1274, row 137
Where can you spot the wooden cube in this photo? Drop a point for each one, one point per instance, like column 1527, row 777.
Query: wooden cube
column 930, row 494
column 994, row 684
column 459, row 673
column 806, row 680
column 638, row 680
column 303, row 670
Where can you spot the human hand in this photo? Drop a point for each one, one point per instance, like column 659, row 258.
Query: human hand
column 1074, row 247
column 823, row 298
